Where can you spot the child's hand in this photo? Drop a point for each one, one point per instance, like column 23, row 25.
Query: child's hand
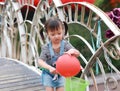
column 52, row 70
column 73, row 52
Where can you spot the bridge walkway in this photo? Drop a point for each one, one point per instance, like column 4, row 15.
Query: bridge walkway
column 16, row 76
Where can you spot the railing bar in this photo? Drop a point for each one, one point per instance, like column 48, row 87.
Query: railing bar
column 76, row 12
column 95, row 26
column 18, row 51
column 82, row 14
column 15, row 44
column 69, row 13
column 89, row 19
column 94, row 80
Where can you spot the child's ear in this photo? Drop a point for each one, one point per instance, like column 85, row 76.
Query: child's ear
column 66, row 27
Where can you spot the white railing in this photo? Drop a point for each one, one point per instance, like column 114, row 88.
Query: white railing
column 22, row 37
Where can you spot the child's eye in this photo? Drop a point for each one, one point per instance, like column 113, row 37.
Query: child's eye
column 59, row 33
column 52, row 34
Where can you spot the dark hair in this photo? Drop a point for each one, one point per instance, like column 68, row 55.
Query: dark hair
column 54, row 23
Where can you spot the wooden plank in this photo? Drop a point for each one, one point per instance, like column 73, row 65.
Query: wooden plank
column 8, row 80
column 21, row 85
column 15, row 74
column 17, row 77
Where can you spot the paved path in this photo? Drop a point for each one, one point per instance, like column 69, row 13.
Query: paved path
column 17, row 77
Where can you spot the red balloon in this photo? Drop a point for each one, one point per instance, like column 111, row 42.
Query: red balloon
column 68, row 65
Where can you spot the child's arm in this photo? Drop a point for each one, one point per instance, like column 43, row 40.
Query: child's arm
column 46, row 66
column 74, row 52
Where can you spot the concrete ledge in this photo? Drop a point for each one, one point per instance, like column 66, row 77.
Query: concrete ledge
column 100, row 79
column 112, row 78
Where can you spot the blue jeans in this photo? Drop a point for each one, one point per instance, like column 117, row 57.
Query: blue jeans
column 47, row 80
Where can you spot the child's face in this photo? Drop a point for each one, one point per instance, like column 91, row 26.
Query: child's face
column 55, row 35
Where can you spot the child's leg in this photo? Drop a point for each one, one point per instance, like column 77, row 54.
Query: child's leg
column 60, row 89
column 49, row 89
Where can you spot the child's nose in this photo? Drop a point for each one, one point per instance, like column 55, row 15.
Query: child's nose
column 56, row 36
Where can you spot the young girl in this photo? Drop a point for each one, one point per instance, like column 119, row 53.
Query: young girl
column 51, row 51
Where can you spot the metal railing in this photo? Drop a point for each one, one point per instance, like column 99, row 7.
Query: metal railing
column 21, row 36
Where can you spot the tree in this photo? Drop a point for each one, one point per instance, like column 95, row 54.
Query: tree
column 107, row 5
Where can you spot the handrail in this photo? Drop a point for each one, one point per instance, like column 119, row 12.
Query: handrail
column 93, row 58
column 96, row 10
column 30, row 39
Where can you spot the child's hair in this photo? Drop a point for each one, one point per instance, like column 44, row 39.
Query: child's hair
column 54, row 23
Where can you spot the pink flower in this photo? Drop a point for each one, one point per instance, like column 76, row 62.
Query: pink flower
column 115, row 17
column 116, row 12
column 109, row 33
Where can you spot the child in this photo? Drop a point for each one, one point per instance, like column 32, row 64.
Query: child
column 55, row 30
